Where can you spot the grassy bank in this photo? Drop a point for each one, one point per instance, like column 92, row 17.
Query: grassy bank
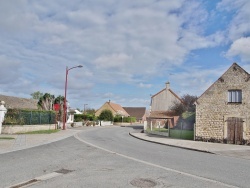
column 182, row 134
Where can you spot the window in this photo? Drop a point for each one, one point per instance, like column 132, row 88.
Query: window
column 234, row 96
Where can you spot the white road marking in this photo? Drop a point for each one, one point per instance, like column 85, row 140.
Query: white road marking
column 48, row 176
column 155, row 165
column 35, row 180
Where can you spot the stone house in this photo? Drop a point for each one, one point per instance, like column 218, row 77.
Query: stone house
column 161, row 103
column 116, row 109
column 223, row 110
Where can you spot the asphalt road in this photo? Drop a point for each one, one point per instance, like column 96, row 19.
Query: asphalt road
column 109, row 157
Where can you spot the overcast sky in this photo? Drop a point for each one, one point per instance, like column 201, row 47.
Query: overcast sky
column 128, row 49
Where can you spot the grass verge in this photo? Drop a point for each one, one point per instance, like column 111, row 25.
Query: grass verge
column 42, row 131
column 182, row 134
column 6, row 138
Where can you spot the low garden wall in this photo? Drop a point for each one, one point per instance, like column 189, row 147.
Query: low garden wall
column 122, row 124
column 13, row 129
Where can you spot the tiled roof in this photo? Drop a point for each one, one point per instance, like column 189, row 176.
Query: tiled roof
column 118, row 109
column 18, row 103
column 137, row 112
column 161, row 114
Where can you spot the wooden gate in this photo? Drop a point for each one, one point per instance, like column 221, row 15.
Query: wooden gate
column 234, row 130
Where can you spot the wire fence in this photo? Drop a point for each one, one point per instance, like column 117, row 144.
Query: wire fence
column 182, row 129
column 19, row 117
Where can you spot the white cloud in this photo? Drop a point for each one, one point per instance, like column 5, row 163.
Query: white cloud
column 118, row 42
column 239, row 28
column 142, row 85
column 240, row 47
column 112, row 61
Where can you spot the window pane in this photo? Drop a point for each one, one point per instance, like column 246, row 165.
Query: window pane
column 235, row 96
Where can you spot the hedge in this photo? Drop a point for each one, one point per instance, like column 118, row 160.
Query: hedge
column 29, row 117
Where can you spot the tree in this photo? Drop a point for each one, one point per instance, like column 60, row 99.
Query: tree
column 36, row 95
column 187, row 104
column 59, row 100
column 106, row 115
column 46, row 101
column 178, row 108
column 90, row 111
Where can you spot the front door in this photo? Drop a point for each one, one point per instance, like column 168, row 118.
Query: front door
column 234, row 130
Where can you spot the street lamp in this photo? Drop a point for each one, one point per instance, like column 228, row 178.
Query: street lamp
column 65, row 95
column 85, row 108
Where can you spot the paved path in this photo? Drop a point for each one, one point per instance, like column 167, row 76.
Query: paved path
column 240, row 151
column 24, row 141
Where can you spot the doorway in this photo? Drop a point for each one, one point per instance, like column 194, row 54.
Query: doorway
column 235, row 130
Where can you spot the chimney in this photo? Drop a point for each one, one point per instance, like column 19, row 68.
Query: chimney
column 167, row 85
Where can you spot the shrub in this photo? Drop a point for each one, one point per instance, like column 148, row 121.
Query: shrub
column 119, row 118
column 81, row 117
column 106, row 115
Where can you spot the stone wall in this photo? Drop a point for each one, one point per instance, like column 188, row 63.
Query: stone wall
column 213, row 109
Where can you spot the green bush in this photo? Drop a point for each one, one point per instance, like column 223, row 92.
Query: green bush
column 124, row 119
column 84, row 117
column 106, row 115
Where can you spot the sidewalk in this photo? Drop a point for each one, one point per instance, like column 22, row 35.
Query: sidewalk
column 23, row 141
column 238, row 151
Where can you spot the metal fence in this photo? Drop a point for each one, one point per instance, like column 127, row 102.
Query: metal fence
column 19, row 117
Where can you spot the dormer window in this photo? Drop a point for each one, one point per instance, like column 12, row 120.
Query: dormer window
column 234, row 96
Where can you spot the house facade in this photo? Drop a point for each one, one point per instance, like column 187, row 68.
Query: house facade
column 223, row 110
column 164, row 99
column 160, row 108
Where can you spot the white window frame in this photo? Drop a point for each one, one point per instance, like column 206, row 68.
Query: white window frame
column 234, row 96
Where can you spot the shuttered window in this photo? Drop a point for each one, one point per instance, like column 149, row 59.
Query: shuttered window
column 234, row 96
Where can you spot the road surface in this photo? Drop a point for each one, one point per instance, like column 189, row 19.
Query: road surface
column 109, row 157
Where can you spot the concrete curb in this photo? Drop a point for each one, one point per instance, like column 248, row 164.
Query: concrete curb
column 171, row 145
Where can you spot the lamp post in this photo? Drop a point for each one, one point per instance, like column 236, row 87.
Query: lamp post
column 85, row 108
column 65, row 95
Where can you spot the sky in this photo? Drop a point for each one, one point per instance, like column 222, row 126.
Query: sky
column 128, row 49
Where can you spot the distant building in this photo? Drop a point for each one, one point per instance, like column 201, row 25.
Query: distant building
column 138, row 112
column 164, row 99
column 160, row 108
column 116, row 109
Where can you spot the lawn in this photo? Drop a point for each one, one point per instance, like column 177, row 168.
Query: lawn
column 182, row 134
column 6, row 138
column 42, row 131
